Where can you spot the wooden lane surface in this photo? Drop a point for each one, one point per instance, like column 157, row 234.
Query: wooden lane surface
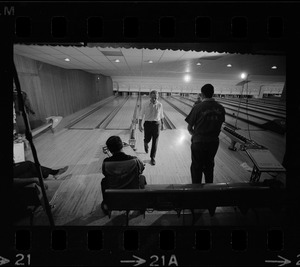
column 93, row 120
column 79, row 192
column 274, row 113
column 73, row 118
column 182, row 105
column 279, row 108
column 269, row 112
column 257, row 116
column 187, row 108
column 262, row 102
column 275, row 142
column 224, row 156
column 78, row 197
column 176, row 118
column 260, row 116
column 173, row 160
column 229, row 119
column 123, row 119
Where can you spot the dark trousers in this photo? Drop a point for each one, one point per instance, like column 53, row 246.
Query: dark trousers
column 152, row 130
column 203, row 154
column 27, row 169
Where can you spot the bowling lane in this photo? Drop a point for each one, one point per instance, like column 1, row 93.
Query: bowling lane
column 182, row 105
column 123, row 119
column 274, row 142
column 230, row 119
column 273, row 112
column 257, row 103
column 250, row 106
column 186, row 109
column 176, row 118
column 93, row 120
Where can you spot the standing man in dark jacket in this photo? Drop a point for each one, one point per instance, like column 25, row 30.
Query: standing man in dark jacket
column 204, row 124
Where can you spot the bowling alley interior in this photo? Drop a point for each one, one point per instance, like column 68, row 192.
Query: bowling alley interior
column 70, row 98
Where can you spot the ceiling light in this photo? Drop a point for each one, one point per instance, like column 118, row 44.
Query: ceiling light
column 187, row 78
column 243, row 75
column 274, row 67
column 198, row 64
column 117, row 60
column 229, row 65
column 67, row 59
column 150, row 61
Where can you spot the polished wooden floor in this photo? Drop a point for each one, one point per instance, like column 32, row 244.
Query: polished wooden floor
column 77, row 196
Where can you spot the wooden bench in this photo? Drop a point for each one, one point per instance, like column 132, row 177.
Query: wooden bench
column 193, row 196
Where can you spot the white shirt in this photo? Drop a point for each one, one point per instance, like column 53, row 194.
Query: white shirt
column 152, row 112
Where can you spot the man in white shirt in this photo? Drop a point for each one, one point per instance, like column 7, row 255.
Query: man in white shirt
column 152, row 113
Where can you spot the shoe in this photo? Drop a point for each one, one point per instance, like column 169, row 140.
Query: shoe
column 60, row 171
column 146, row 147
column 153, row 161
column 104, row 208
column 232, row 148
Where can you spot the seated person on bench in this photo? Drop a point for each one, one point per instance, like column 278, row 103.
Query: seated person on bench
column 27, row 169
column 121, row 171
column 26, row 185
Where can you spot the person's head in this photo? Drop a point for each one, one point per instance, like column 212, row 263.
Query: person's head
column 154, row 96
column 207, row 91
column 114, row 144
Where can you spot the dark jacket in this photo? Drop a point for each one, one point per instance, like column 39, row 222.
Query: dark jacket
column 206, row 119
column 122, row 171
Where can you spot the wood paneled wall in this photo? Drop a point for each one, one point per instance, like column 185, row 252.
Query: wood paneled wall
column 102, row 85
column 55, row 91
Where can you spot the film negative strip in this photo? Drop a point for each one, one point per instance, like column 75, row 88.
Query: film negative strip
column 268, row 28
column 158, row 246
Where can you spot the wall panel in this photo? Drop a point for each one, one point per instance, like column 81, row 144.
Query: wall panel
column 55, row 91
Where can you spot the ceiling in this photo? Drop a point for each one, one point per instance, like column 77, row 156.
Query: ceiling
column 166, row 63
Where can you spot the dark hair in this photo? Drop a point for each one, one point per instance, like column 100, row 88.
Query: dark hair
column 114, row 144
column 207, row 90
